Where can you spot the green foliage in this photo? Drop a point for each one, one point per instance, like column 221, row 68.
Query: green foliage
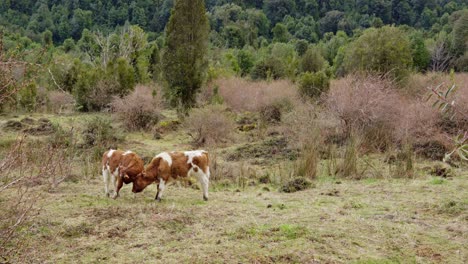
column 275, row 10
column 26, row 97
column 301, row 47
column 386, row 51
column 245, row 60
column 68, row 45
column 184, row 58
column 269, row 68
column 280, row 33
column 312, row 61
column 155, row 62
column 313, row 84
column 420, row 53
column 333, row 44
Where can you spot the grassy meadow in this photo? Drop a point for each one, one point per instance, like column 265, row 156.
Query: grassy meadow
column 378, row 218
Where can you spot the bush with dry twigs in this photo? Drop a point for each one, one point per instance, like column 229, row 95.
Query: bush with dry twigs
column 243, row 95
column 372, row 107
column 140, row 109
column 60, row 102
column 368, row 105
column 211, row 125
column 24, row 167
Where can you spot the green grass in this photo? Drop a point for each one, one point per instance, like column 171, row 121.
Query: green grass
column 437, row 181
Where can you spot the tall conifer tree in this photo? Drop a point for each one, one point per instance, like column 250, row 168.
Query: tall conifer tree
column 184, row 57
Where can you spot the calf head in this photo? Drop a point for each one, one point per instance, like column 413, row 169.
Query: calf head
column 140, row 182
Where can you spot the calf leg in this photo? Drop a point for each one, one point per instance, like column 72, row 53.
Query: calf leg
column 157, row 192
column 114, row 177
column 161, row 186
column 204, row 181
column 118, row 187
column 105, row 176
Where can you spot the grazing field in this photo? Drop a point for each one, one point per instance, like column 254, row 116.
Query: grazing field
column 372, row 220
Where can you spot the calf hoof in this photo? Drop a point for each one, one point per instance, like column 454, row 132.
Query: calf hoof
column 107, row 195
column 115, row 196
column 205, row 198
column 158, row 199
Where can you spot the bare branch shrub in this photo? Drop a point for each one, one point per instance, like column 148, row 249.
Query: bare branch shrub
column 369, row 106
column 60, row 102
column 140, row 109
column 211, row 125
column 25, row 166
column 243, row 95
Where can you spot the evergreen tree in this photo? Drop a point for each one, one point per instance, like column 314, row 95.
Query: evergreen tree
column 184, row 57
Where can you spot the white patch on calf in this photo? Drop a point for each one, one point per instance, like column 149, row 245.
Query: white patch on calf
column 116, row 172
column 192, row 154
column 203, row 178
column 128, row 152
column 160, row 189
column 166, row 157
column 109, row 154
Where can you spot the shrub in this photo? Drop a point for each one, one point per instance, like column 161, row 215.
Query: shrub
column 312, row 61
column 26, row 97
column 60, row 102
column 245, row 59
column 269, row 68
column 99, row 135
column 367, row 106
column 209, row 126
column 271, row 113
column 242, row 95
column 313, row 84
column 138, row 110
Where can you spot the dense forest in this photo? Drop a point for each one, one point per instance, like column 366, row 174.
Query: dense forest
column 96, row 48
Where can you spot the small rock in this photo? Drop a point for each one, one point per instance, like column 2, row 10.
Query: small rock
column 157, row 135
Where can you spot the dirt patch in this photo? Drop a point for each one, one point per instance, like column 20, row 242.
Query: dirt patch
column 442, row 170
column 265, row 152
column 297, row 184
column 83, row 229
column 117, row 232
column 427, row 252
column 13, row 125
column 433, row 149
column 29, row 125
column 43, row 127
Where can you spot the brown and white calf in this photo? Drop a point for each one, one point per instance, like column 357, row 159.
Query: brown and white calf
column 120, row 167
column 172, row 165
